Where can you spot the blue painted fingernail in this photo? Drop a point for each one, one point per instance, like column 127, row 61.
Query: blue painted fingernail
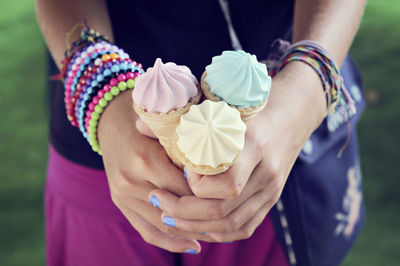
column 191, row 251
column 168, row 220
column 185, row 173
column 155, row 201
column 203, row 233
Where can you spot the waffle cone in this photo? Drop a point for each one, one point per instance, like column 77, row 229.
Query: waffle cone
column 200, row 169
column 164, row 125
column 245, row 113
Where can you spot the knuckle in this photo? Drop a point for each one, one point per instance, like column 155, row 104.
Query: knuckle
column 175, row 210
column 274, row 185
column 275, row 198
column 116, row 193
column 258, row 142
column 117, row 186
column 149, row 239
column 231, row 224
column 262, row 181
column 218, row 210
column 273, row 169
column 232, row 189
column 115, row 199
column 141, row 157
column 218, row 238
column 167, row 230
column 247, row 232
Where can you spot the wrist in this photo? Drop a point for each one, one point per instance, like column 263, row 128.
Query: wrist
column 117, row 120
column 297, row 95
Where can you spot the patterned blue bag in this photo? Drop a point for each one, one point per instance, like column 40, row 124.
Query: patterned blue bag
column 321, row 210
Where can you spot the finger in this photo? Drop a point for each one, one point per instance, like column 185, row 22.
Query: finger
column 188, row 207
column 167, row 176
column 231, row 223
column 143, row 128
column 152, row 215
column 155, row 167
column 193, row 208
column 129, row 187
column 247, row 229
column 153, row 236
column 229, row 184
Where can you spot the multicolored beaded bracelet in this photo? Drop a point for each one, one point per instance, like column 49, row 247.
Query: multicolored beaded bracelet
column 108, row 94
column 84, row 82
column 113, row 85
column 73, row 79
column 94, row 72
column 82, row 63
column 94, row 88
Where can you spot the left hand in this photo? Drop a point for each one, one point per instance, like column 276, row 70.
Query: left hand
column 231, row 205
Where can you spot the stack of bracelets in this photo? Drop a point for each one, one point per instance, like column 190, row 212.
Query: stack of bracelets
column 318, row 58
column 95, row 71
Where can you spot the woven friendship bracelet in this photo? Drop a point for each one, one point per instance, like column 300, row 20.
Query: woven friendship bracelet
column 311, row 53
column 319, row 59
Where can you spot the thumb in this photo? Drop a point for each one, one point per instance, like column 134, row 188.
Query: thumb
column 144, row 129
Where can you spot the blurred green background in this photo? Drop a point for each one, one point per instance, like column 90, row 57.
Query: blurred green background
column 23, row 134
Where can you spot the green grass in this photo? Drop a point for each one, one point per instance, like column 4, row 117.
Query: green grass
column 377, row 51
column 23, row 134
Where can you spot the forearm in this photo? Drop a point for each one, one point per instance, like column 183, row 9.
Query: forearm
column 57, row 17
column 331, row 23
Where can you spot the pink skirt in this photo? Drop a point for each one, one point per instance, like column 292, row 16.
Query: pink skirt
column 83, row 227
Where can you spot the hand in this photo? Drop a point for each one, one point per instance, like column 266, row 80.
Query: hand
column 230, row 206
column 136, row 165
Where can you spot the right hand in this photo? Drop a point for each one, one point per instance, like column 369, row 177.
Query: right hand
column 136, row 165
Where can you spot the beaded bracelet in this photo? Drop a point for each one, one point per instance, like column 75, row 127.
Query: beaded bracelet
column 122, row 82
column 77, row 66
column 318, row 58
column 108, row 93
column 94, row 72
column 82, row 62
column 98, row 73
column 93, row 89
column 84, row 82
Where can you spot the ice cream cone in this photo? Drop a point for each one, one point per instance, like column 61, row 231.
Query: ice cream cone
column 163, row 125
column 209, row 138
column 200, row 169
column 245, row 113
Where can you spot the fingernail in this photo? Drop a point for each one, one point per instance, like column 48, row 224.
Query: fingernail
column 168, row 220
column 155, row 201
column 203, row 233
column 228, row 242
column 191, row 251
column 185, row 173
